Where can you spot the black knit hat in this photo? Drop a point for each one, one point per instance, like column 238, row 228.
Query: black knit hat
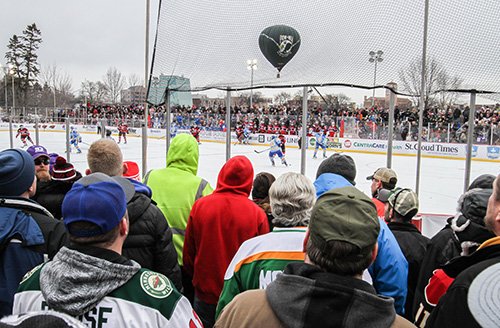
column 339, row 164
column 484, row 181
column 261, row 185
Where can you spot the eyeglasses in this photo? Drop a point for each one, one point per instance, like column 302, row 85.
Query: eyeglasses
column 40, row 161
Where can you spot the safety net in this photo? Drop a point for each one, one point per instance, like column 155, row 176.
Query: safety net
column 242, row 44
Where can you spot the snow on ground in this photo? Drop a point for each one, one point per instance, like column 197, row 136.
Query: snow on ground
column 441, row 181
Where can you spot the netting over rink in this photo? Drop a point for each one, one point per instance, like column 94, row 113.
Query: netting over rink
column 208, row 42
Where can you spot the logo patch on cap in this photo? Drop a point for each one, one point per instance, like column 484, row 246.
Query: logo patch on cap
column 156, row 284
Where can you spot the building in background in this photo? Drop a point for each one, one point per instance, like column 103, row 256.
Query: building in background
column 133, row 95
column 383, row 102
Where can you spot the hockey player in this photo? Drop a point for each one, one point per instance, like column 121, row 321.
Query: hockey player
column 283, row 142
column 173, row 130
column 25, row 134
column 195, row 131
column 122, row 132
column 239, row 134
column 246, row 134
column 74, row 139
column 321, row 141
column 275, row 149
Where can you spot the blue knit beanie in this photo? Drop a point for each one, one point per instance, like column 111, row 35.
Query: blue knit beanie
column 17, row 172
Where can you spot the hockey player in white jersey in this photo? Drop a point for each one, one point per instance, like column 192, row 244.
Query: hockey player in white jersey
column 74, row 139
column 275, row 150
column 321, row 141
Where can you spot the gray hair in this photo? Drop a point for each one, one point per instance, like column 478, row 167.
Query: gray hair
column 292, row 197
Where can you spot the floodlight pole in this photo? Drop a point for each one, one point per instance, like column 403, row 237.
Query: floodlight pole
column 13, row 93
column 5, row 70
column 145, row 124
column 303, row 146
column 422, row 96
column 228, row 125
column 470, row 135
column 375, row 57
column 251, row 66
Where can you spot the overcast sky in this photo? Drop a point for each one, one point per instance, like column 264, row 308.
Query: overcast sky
column 85, row 38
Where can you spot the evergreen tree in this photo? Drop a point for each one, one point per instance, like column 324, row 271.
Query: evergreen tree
column 14, row 54
column 31, row 40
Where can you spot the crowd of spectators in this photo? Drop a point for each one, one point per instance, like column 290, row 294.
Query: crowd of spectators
column 171, row 251
column 439, row 124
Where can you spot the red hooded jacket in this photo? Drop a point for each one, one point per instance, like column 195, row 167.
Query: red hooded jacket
column 218, row 224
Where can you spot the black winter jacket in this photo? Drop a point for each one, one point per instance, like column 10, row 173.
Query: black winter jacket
column 453, row 308
column 149, row 241
column 51, row 194
column 413, row 245
column 462, row 234
column 53, row 230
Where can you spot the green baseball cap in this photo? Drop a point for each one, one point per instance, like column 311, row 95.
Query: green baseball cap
column 344, row 214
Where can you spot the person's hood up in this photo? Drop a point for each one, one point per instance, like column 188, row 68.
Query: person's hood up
column 469, row 233
column 236, row 176
column 329, row 181
column 141, row 188
column 74, row 282
column 183, row 153
column 306, row 296
column 473, row 203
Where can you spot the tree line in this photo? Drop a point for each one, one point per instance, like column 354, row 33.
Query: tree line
column 29, row 84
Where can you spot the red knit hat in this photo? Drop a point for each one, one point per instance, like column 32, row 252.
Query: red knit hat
column 132, row 171
column 62, row 170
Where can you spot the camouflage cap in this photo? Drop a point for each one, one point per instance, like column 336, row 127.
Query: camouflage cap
column 404, row 201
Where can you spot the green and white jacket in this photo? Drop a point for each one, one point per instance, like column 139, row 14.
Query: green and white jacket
column 104, row 294
column 259, row 260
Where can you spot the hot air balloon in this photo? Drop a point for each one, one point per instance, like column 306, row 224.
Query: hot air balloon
column 279, row 43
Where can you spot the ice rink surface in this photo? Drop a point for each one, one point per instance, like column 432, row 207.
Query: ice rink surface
column 441, row 180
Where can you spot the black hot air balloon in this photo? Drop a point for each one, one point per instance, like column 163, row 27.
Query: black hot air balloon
column 279, row 43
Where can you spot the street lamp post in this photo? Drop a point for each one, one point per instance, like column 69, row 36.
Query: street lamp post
column 5, row 72
column 251, row 66
column 12, row 71
column 375, row 57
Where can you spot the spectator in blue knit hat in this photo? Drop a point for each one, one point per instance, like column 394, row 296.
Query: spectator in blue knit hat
column 28, row 231
column 90, row 279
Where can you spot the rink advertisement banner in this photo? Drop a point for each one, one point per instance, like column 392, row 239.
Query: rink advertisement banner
column 405, row 148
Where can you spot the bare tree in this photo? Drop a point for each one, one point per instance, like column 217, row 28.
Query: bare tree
column 282, row 97
column 93, row 91
column 133, row 80
column 446, row 99
column 59, row 82
column 114, row 82
column 436, row 79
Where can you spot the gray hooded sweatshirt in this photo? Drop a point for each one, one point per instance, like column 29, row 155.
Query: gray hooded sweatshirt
column 75, row 282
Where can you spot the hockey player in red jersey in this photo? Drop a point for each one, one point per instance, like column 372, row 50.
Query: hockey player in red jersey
column 122, row 132
column 283, row 142
column 195, row 131
column 25, row 134
column 239, row 134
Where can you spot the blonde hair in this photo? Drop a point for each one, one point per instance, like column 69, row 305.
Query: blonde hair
column 106, row 157
column 292, row 197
